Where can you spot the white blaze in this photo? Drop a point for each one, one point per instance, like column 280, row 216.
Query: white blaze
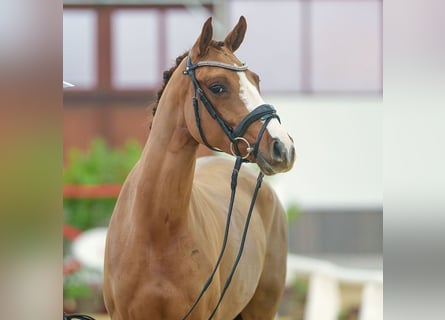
column 251, row 97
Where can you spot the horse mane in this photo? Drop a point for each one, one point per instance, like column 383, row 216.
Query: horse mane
column 168, row 73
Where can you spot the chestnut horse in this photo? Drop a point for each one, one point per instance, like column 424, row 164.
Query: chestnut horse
column 167, row 228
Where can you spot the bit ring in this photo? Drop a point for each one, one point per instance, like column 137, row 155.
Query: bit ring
column 249, row 149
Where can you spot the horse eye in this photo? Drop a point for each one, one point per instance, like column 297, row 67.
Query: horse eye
column 217, row 88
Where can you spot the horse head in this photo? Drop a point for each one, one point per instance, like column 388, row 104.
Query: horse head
column 225, row 91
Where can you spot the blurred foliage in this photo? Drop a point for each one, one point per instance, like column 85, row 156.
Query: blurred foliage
column 351, row 313
column 300, row 289
column 292, row 305
column 293, row 212
column 85, row 213
column 74, row 288
column 99, row 165
column 294, row 300
column 79, row 285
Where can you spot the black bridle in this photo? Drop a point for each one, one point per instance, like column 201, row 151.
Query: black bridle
column 265, row 113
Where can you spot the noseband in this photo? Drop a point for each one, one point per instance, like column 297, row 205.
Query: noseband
column 264, row 112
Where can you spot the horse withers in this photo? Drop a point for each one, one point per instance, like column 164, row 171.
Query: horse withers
column 167, row 229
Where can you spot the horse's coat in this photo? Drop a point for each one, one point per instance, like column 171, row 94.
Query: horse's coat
column 167, row 227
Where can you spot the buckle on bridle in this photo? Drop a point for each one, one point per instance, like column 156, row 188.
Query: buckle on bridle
column 249, row 149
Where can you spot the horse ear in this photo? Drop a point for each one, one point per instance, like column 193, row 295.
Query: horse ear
column 236, row 36
column 202, row 44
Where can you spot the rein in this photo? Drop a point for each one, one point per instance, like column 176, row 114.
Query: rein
column 265, row 113
column 236, row 168
column 79, row 316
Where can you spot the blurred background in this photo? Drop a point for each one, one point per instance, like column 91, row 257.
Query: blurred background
column 320, row 63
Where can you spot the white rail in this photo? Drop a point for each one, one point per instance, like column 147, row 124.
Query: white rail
column 324, row 298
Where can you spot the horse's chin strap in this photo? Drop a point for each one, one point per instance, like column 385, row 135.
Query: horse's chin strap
column 238, row 162
column 264, row 112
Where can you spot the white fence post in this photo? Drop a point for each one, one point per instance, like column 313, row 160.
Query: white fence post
column 372, row 302
column 323, row 298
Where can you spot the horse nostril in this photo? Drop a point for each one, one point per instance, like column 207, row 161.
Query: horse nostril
column 292, row 153
column 278, row 150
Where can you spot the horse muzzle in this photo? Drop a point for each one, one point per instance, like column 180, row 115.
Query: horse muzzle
column 278, row 158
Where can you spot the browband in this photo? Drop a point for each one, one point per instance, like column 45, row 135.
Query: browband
column 190, row 66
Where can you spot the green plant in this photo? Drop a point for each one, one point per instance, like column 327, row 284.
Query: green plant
column 76, row 290
column 300, row 289
column 99, row 165
column 293, row 212
column 350, row 313
column 81, row 284
column 294, row 299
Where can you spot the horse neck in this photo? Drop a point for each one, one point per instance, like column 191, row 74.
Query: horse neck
column 166, row 168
